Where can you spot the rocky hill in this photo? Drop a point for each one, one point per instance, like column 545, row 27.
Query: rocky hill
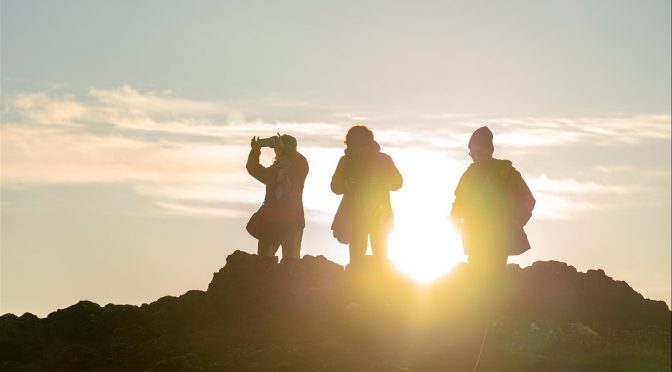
column 315, row 316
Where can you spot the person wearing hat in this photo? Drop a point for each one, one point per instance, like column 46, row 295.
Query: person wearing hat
column 492, row 204
column 280, row 220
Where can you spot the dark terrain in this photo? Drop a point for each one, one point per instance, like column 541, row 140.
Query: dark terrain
column 316, row 316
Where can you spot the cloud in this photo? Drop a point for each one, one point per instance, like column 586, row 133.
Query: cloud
column 182, row 153
column 233, row 188
column 627, row 129
column 40, row 108
column 559, row 207
column 564, row 198
column 199, row 211
column 126, row 108
column 38, row 155
column 445, row 116
column 624, row 170
column 531, row 132
column 545, row 184
column 155, row 103
column 538, row 137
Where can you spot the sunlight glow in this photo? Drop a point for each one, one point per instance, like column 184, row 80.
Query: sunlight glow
column 425, row 249
column 424, row 243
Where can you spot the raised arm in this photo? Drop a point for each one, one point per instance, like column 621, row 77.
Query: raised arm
column 256, row 170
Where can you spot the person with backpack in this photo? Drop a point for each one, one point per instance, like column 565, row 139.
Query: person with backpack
column 492, row 205
column 280, row 220
column 364, row 176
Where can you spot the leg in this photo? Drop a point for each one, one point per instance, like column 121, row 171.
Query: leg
column 490, row 282
column 291, row 244
column 358, row 244
column 267, row 247
column 379, row 245
column 487, row 263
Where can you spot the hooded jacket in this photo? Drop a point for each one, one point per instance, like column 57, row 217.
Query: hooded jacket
column 284, row 180
column 365, row 179
column 492, row 204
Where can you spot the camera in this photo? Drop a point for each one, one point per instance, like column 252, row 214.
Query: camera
column 268, row 142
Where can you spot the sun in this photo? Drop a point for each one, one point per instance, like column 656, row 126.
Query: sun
column 424, row 243
column 425, row 248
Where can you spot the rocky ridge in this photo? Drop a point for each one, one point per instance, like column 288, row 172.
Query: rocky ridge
column 315, row 316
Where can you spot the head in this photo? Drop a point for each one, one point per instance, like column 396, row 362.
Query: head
column 358, row 137
column 480, row 144
column 288, row 145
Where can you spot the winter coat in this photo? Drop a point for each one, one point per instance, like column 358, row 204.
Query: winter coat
column 493, row 203
column 365, row 180
column 284, row 180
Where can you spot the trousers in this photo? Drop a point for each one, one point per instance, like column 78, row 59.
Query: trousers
column 359, row 243
column 289, row 238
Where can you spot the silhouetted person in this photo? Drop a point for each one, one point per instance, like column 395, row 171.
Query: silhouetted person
column 492, row 204
column 280, row 220
column 364, row 176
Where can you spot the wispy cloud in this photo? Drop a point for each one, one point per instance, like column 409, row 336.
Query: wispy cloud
column 545, row 184
column 40, row 108
column 160, row 112
column 533, row 132
column 538, row 137
column 49, row 155
column 559, row 207
column 613, row 130
column 564, row 198
column 199, row 211
column 155, row 103
column 182, row 153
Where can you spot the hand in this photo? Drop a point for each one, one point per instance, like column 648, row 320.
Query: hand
column 254, row 143
column 279, row 143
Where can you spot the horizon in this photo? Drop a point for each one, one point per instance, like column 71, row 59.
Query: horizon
column 126, row 127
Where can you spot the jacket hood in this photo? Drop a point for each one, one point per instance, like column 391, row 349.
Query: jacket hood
column 373, row 147
column 499, row 163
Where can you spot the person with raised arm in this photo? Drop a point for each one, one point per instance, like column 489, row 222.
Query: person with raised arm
column 280, row 220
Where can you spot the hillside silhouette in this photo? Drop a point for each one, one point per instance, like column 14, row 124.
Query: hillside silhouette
column 312, row 315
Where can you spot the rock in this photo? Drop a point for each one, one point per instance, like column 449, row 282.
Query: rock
column 183, row 363
column 312, row 314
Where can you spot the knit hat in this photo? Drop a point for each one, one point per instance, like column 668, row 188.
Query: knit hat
column 482, row 138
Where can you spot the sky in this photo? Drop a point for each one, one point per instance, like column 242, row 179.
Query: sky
column 126, row 126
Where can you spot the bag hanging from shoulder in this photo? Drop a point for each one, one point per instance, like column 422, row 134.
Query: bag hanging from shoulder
column 518, row 243
column 341, row 227
column 257, row 223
